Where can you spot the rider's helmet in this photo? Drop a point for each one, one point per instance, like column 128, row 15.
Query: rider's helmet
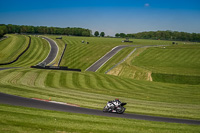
column 116, row 99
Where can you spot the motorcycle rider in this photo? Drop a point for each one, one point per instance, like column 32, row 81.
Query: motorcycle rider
column 113, row 104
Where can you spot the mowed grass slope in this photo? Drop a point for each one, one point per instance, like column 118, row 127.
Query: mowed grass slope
column 93, row 90
column 12, row 47
column 21, row 119
column 173, row 64
column 81, row 55
column 182, row 59
column 37, row 52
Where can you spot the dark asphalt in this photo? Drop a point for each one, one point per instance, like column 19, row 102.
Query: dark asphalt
column 94, row 67
column 26, row 102
column 53, row 52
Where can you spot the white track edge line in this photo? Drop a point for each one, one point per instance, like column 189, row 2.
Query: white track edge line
column 50, row 50
column 101, row 57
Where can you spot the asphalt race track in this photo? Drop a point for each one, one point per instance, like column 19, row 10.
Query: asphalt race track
column 94, row 67
column 26, row 102
column 53, row 52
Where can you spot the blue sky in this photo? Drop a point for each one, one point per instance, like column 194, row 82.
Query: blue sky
column 110, row 16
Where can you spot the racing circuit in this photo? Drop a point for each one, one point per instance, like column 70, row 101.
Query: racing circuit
column 27, row 102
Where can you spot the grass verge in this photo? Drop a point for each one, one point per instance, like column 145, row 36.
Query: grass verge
column 22, row 119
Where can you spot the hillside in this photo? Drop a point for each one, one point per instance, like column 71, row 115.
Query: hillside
column 11, row 47
column 93, row 90
column 174, row 64
column 36, row 53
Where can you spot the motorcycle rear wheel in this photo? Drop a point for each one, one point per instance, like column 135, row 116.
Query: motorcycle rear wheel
column 120, row 111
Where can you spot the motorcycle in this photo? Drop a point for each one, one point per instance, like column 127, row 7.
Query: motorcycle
column 119, row 109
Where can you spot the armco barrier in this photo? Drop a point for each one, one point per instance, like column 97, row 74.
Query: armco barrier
column 62, row 55
column 20, row 54
column 56, row 68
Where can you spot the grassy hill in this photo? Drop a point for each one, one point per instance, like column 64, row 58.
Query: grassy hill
column 93, row 90
column 81, row 55
column 11, row 47
column 181, row 59
column 173, row 64
column 37, row 52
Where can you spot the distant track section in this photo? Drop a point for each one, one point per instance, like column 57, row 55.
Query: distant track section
column 94, row 67
column 53, row 52
column 27, row 102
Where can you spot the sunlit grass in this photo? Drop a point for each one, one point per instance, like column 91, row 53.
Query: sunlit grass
column 93, row 90
column 37, row 52
column 12, row 47
column 21, row 119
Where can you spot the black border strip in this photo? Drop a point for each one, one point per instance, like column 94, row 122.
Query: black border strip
column 18, row 55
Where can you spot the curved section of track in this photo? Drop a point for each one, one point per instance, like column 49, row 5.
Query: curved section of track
column 53, row 52
column 20, row 101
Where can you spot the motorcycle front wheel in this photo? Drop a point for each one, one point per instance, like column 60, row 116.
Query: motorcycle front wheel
column 105, row 109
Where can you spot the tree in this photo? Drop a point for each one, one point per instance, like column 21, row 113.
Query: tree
column 86, row 33
column 3, row 30
column 96, row 33
column 117, row 35
column 1, row 33
column 122, row 35
column 102, row 34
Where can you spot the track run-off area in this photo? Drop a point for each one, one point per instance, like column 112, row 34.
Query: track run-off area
column 20, row 101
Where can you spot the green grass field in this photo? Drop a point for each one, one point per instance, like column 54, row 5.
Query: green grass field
column 11, row 47
column 93, row 90
column 171, row 64
column 37, row 52
column 181, row 59
column 81, row 55
column 23, row 120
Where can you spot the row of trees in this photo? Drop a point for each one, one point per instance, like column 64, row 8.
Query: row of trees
column 163, row 35
column 4, row 29
column 96, row 33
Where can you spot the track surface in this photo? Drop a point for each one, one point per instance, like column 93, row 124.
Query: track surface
column 53, row 52
column 94, row 67
column 20, row 101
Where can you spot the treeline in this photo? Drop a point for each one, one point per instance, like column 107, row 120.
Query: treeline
column 4, row 29
column 163, row 35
